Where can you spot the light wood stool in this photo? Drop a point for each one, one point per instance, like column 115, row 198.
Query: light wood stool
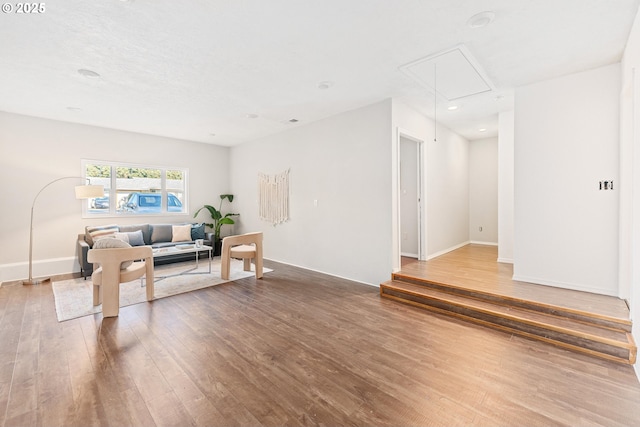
column 246, row 246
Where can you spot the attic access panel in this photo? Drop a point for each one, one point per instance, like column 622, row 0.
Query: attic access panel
column 458, row 74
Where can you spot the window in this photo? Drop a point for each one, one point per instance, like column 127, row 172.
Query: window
column 136, row 189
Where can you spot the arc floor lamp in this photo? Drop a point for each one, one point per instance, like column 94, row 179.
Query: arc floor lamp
column 86, row 191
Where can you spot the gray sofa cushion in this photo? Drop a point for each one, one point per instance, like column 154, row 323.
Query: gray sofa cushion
column 134, row 238
column 161, row 233
column 145, row 228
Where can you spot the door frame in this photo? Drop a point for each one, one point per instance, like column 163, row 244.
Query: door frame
column 421, row 193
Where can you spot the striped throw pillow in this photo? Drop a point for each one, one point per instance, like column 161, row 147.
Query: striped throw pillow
column 97, row 232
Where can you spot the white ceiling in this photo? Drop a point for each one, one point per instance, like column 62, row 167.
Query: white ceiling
column 190, row 69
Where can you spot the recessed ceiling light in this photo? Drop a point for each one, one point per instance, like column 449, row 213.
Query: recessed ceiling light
column 88, row 73
column 325, row 85
column 212, row 134
column 482, row 130
column 452, row 107
column 74, row 109
column 293, row 120
column 252, row 116
column 481, row 19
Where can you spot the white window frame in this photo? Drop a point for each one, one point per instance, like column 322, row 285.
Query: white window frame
column 112, row 211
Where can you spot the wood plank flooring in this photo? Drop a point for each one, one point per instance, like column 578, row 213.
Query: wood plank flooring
column 469, row 283
column 296, row 348
column 475, row 267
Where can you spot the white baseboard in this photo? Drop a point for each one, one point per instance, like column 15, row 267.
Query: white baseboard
column 42, row 268
column 409, row 255
column 505, row 260
column 453, row 248
column 563, row 285
column 377, row 285
column 478, row 242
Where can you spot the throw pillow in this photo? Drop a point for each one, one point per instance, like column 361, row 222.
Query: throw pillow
column 197, row 231
column 94, row 233
column 160, row 233
column 113, row 244
column 145, row 228
column 122, row 236
column 181, row 233
column 134, row 238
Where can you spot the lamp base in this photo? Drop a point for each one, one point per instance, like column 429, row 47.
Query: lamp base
column 36, row 281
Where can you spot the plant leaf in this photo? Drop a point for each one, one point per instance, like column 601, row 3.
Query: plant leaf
column 226, row 220
column 212, row 211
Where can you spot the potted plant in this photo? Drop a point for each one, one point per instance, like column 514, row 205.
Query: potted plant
column 218, row 221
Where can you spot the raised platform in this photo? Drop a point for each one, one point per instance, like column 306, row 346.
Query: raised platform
column 470, row 284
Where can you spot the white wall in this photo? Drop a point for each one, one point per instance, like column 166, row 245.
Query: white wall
column 483, row 191
column 566, row 141
column 342, row 162
column 446, row 180
column 630, row 178
column 34, row 152
column 505, row 186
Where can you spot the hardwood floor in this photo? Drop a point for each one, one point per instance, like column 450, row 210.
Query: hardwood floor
column 295, row 348
column 469, row 283
column 475, row 267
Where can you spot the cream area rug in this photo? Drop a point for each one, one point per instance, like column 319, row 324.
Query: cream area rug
column 74, row 298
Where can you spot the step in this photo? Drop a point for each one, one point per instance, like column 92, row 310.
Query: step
column 576, row 334
column 581, row 315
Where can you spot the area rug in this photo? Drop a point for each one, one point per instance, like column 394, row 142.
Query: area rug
column 74, row 298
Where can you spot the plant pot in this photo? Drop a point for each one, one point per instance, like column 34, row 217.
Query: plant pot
column 217, row 247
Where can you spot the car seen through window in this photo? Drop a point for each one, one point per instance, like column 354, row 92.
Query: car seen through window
column 151, row 203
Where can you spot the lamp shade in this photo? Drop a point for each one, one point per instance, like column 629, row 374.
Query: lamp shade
column 89, row 191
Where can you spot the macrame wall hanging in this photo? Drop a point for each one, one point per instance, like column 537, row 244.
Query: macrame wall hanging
column 273, row 197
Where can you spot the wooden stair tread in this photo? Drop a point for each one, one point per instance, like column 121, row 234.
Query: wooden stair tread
column 475, row 267
column 588, row 316
column 556, row 322
column 580, row 335
column 468, row 284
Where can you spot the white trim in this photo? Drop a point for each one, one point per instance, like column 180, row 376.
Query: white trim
column 409, row 255
column 324, row 272
column 41, row 268
column 112, row 188
column 422, row 194
column 558, row 284
column 478, row 242
column 505, row 260
column 453, row 248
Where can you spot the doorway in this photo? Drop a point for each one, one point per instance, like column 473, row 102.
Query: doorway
column 410, row 199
